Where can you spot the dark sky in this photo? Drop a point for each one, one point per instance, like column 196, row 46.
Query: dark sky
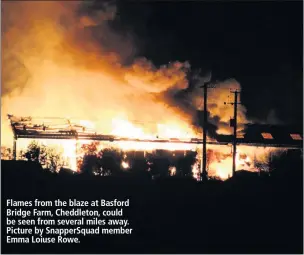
column 258, row 43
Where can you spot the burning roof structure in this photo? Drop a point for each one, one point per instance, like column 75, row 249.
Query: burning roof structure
column 253, row 134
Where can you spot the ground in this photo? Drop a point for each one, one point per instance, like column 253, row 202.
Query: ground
column 247, row 214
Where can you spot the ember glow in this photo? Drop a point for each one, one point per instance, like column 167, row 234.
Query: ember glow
column 125, row 165
column 55, row 65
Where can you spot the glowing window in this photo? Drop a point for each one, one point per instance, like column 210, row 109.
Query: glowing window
column 267, row 136
column 296, row 136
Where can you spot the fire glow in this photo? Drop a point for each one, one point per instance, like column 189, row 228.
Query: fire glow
column 219, row 158
column 56, row 66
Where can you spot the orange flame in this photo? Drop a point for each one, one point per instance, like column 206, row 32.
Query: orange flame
column 56, row 67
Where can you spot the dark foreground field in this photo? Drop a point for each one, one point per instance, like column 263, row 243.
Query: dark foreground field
column 247, row 214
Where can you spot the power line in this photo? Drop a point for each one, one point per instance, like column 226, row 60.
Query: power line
column 233, row 123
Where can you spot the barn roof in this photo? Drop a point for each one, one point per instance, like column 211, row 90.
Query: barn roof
column 268, row 135
column 253, row 134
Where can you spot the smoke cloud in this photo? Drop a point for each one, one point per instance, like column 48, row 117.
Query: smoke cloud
column 65, row 59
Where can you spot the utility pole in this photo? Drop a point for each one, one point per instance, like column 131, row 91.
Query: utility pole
column 15, row 148
column 234, row 131
column 233, row 123
column 15, row 137
column 205, row 122
column 204, row 170
column 76, row 151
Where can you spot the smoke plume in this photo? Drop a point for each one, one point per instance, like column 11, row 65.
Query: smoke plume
column 65, row 59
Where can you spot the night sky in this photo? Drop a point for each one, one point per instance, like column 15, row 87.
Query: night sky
column 257, row 43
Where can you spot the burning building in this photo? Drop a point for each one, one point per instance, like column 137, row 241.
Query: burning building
column 57, row 62
column 255, row 145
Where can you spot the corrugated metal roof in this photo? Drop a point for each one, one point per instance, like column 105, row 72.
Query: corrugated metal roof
column 268, row 135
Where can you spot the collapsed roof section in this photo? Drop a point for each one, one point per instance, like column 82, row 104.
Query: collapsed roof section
column 61, row 128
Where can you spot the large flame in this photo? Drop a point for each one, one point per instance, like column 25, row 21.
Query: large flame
column 57, row 62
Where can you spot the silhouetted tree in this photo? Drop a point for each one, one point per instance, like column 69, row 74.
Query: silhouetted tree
column 48, row 157
column 288, row 163
column 6, row 153
column 54, row 160
column 110, row 161
column 105, row 162
column 90, row 163
column 159, row 164
column 139, row 165
column 33, row 152
column 37, row 153
column 137, row 162
column 184, row 164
